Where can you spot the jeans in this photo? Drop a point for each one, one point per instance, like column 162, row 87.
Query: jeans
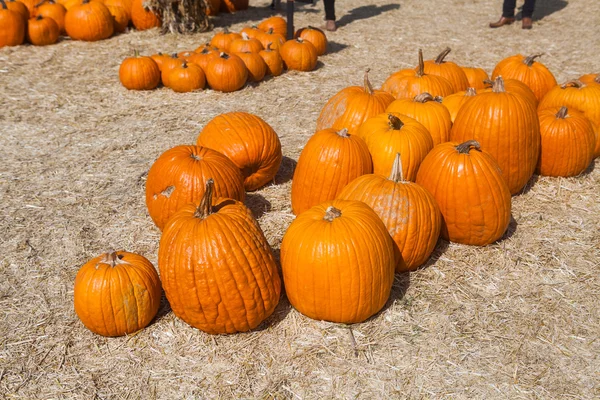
column 508, row 9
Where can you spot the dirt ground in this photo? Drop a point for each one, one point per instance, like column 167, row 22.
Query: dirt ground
column 519, row 319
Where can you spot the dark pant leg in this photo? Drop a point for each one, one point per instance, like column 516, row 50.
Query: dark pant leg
column 528, row 8
column 329, row 9
column 508, row 8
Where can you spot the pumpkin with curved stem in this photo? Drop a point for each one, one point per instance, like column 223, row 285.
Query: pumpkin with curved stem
column 42, row 31
column 276, row 40
column 139, row 73
column 314, row 35
column 470, row 191
column 186, row 78
column 273, row 60
column 447, row 69
column 117, row 293
column 12, row 26
column 454, row 102
column 245, row 44
column 216, row 266
column 476, row 77
column 177, row 178
column 568, row 142
column 527, row 70
column 408, row 83
column 249, row 142
column 256, row 66
column 516, row 87
column 338, row 262
column 390, row 133
column 277, row 24
column 226, row 73
column 89, row 21
column 429, row 112
column 507, row 127
column 299, row 55
column 330, row 160
column 352, row 106
column 18, row 7
column 142, row 17
column 222, row 40
column 409, row 212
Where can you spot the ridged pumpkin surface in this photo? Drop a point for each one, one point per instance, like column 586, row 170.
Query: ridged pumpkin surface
column 89, row 21
column 476, row 77
column 525, row 69
column 12, row 27
column 454, row 102
column 469, row 189
column 139, row 73
column 516, row 87
column 449, row 70
column 299, row 54
column 338, row 262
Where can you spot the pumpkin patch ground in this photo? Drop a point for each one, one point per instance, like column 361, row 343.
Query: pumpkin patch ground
column 517, row 319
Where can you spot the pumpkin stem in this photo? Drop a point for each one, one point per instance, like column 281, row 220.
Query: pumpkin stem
column 205, row 51
column 443, row 54
column 529, row 60
column 224, row 55
column 111, row 258
column 498, row 85
column 576, row 83
column 268, row 48
column 597, row 79
column 205, row 207
column 3, row 5
column 465, row 147
column 471, row 92
column 270, row 31
column 421, row 67
column 245, row 36
column 395, row 122
column 343, row 133
column 424, row 98
column 368, row 86
column 184, row 64
column 39, row 18
column 226, row 30
column 136, row 53
column 562, row 113
column 332, row 213
column 396, row 175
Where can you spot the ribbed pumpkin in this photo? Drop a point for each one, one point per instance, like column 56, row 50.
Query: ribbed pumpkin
column 117, row 293
column 577, row 96
column 516, row 87
column 159, row 58
column 186, row 78
column 30, row 4
column 168, row 64
column 18, row 7
column 89, row 21
column 447, row 69
column 527, row 70
column 139, row 73
column 245, row 44
column 278, row 24
column 51, row 9
column 252, row 31
column 222, row 40
column 276, row 40
column 273, row 60
column 330, row 160
column 568, row 142
column 256, row 66
column 12, row 26
column 249, row 142
column 185, row 55
column 468, row 186
column 409, row 212
column 338, row 262
column 590, row 79
column 231, row 6
column 454, row 102
column 429, row 112
column 476, row 77
column 226, row 73
column 178, row 176
column 388, row 134
column 203, row 57
column 298, row 54
column 408, row 83
column 216, row 266
column 42, row 31
column 507, row 127
column 314, row 35
column 142, row 17
column 352, row 106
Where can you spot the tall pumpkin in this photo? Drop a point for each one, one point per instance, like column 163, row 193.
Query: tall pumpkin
column 352, row 106
column 507, row 127
column 449, row 70
column 249, row 142
column 89, row 21
column 516, row 87
column 273, row 60
column 527, row 70
column 216, row 266
column 409, row 212
column 330, row 160
column 338, row 262
column 12, row 26
column 469, row 189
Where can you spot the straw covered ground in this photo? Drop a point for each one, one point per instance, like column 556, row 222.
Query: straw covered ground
column 519, row 319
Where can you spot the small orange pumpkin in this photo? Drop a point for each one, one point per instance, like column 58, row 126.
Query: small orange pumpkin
column 256, row 66
column 51, row 9
column 139, row 73
column 590, row 79
column 42, row 31
column 186, row 78
column 19, row 7
column 276, row 40
column 476, row 77
column 203, row 57
column 299, row 54
column 223, row 40
column 454, row 102
column 226, row 73
column 316, row 36
column 273, row 60
column 245, row 44
column 251, row 31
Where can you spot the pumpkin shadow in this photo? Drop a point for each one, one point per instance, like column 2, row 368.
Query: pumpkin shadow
column 543, row 9
column 589, row 169
column 163, row 310
column 281, row 311
column 364, row 12
column 257, row 204
column 440, row 248
column 286, row 170
column 253, row 15
column 335, row 47
column 527, row 188
column 510, row 231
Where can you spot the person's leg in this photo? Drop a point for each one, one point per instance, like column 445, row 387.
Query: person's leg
column 329, row 15
column 528, row 8
column 508, row 8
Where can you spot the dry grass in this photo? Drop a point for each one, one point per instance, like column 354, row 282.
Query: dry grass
column 516, row 320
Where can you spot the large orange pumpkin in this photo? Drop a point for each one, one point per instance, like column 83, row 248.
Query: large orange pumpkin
column 449, row 70
column 527, row 70
column 516, row 87
column 89, row 21
column 12, row 26
column 454, row 102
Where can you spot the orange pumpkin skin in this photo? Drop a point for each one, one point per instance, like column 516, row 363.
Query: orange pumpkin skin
column 168, row 64
column 231, row 6
column 590, row 79
column 469, row 189
column 352, row 106
column 223, row 40
column 139, row 73
column 299, row 55
column 245, row 44
column 226, row 73
column 42, row 31
column 30, row 4
column 329, row 161
column 525, row 69
column 568, row 142
column 217, row 268
column 449, row 70
column 252, row 31
column 143, row 18
column 256, row 66
column 177, row 178
column 53, row 10
column 314, row 35
column 273, row 60
column 409, row 212
column 117, row 293
column 429, row 112
column 120, row 18
column 159, row 58
column 388, row 134
column 89, row 21
column 203, row 57
column 249, row 142
column 18, row 7
column 186, row 78
column 12, row 27
column 278, row 24
column 476, row 77
column 408, row 83
column 516, row 87
column 454, row 102
column 276, row 40
column 126, row 5
column 507, row 127
column 338, row 262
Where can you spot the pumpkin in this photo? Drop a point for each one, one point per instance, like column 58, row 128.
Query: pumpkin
column 126, row 5
column 352, row 106
column 168, row 64
column 89, row 21
column 299, row 55
column 245, row 43
column 273, row 60
column 252, row 31
column 139, row 73
column 409, row 212
column 143, row 17
column 388, row 134
column 507, row 127
column 276, row 40
column 203, row 57
column 249, row 142
column 338, row 262
column 468, row 186
column 12, row 26
column 429, row 112
column 231, row 6
column 516, row 87
column 314, row 35
column 177, row 178
column 330, row 160
column 226, row 73
column 42, row 31
column 120, row 18
column 117, row 293
column 590, row 79
column 454, row 102
column 56, row 11
column 18, row 7
column 408, row 83
column 207, row 46
column 476, row 77
column 568, row 142
column 186, row 78
column 527, row 70
column 277, row 24
column 159, row 58
column 217, row 269
column 222, row 40
column 30, row 4
column 256, row 66
column 185, row 55
column 447, row 69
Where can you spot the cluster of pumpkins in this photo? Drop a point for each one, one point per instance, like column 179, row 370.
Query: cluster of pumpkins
column 385, row 175
column 229, row 60
column 43, row 22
